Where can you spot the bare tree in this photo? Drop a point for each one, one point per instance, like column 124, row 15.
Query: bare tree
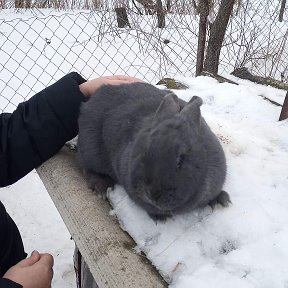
column 238, row 7
column 284, row 111
column 19, row 3
column 23, row 4
column 160, row 14
column 122, row 17
column 168, row 5
column 28, row 4
column 196, row 7
column 204, row 12
column 96, row 4
column 282, row 9
column 217, row 33
column 149, row 6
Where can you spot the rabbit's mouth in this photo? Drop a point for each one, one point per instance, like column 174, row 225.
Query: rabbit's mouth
column 165, row 200
column 158, row 201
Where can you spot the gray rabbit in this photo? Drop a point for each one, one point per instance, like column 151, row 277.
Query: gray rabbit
column 158, row 147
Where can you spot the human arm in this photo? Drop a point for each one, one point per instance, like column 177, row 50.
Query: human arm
column 39, row 127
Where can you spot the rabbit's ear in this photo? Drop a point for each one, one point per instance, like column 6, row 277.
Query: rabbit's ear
column 191, row 112
column 167, row 108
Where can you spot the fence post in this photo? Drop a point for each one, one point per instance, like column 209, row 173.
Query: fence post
column 284, row 111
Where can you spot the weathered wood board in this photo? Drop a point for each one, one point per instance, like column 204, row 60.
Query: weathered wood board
column 106, row 248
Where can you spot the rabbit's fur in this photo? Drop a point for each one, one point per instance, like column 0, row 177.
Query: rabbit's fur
column 155, row 145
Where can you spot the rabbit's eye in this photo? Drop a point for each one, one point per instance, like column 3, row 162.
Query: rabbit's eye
column 180, row 161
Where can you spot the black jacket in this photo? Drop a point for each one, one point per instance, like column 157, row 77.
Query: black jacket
column 33, row 133
column 38, row 128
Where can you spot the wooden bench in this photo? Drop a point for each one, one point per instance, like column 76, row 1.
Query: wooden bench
column 106, row 248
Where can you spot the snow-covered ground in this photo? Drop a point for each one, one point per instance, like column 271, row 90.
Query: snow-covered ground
column 244, row 245
column 41, row 226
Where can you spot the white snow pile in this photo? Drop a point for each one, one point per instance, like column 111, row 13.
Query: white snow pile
column 244, row 245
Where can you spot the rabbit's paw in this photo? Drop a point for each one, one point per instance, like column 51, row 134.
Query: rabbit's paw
column 223, row 199
column 159, row 217
column 100, row 183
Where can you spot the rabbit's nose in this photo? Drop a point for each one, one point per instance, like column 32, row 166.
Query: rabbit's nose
column 170, row 192
column 162, row 194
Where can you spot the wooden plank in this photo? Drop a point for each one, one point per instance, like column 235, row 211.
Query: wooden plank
column 106, row 248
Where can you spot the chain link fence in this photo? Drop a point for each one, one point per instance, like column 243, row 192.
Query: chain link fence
column 256, row 39
column 36, row 50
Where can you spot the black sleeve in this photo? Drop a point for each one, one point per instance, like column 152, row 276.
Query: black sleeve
column 38, row 128
column 6, row 283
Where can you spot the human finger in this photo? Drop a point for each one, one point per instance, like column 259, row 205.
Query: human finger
column 35, row 257
column 119, row 82
column 47, row 259
column 123, row 78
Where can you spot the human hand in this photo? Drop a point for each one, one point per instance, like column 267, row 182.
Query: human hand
column 33, row 272
column 90, row 86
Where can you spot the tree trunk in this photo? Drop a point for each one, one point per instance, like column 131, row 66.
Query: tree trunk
column 196, row 7
column 284, row 111
column 96, row 4
column 28, row 4
column 122, row 17
column 217, row 34
column 238, row 7
column 204, row 12
column 148, row 5
column 168, row 5
column 160, row 14
column 282, row 9
column 19, row 3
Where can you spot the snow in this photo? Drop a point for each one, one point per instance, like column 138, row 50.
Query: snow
column 41, row 226
column 243, row 245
